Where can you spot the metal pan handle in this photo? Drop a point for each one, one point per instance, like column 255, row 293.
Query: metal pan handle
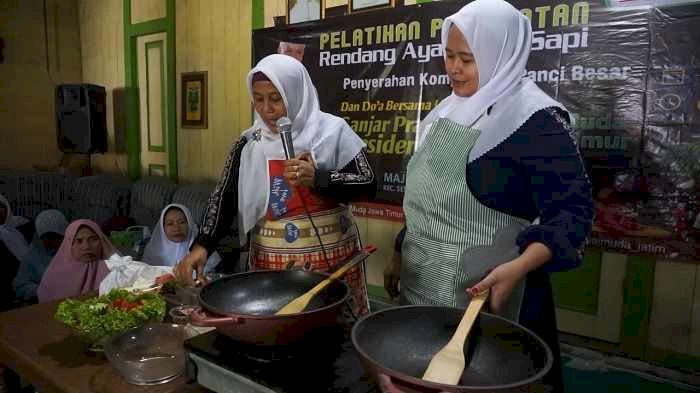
column 358, row 256
column 199, row 317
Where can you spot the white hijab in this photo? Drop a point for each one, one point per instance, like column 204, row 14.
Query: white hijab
column 10, row 235
column 161, row 251
column 329, row 139
column 500, row 38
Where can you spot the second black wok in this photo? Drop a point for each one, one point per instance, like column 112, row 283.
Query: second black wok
column 397, row 344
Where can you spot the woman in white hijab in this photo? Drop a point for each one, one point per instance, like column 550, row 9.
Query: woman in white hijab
column 294, row 211
column 50, row 228
column 10, row 235
column 172, row 238
column 13, row 247
column 514, row 201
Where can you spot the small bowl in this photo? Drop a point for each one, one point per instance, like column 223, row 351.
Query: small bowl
column 151, row 354
column 181, row 314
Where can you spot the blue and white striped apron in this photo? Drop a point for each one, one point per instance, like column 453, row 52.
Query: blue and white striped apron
column 452, row 239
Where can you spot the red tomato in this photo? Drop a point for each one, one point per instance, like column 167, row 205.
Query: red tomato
column 123, row 304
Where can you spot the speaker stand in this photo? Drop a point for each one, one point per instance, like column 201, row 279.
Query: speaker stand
column 77, row 164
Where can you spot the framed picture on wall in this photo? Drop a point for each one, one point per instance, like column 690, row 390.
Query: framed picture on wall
column 367, row 5
column 194, row 99
column 304, row 10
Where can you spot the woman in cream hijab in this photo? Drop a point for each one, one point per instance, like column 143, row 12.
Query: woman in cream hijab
column 514, row 201
column 294, row 211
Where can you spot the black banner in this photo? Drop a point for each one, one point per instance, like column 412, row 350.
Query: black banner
column 628, row 72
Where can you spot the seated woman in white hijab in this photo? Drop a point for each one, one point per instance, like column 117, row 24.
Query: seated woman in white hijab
column 50, row 227
column 172, row 238
column 13, row 247
column 23, row 225
column 292, row 211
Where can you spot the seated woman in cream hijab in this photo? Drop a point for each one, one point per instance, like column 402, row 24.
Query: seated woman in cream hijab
column 172, row 238
column 269, row 199
column 79, row 266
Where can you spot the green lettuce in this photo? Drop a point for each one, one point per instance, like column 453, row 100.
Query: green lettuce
column 96, row 318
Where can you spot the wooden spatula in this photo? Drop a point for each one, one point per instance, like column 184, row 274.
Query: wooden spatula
column 447, row 365
column 299, row 304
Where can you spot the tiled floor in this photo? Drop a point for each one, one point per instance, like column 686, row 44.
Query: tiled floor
column 584, row 373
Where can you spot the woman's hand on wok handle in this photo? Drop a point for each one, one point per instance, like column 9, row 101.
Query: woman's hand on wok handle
column 503, row 278
column 192, row 262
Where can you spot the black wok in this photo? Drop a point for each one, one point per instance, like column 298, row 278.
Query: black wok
column 242, row 306
column 397, row 344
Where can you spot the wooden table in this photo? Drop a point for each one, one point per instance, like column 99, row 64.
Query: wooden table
column 43, row 351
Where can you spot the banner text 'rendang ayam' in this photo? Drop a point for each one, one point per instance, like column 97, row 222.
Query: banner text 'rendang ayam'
column 403, row 33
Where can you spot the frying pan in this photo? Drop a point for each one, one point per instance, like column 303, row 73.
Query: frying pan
column 397, row 344
column 243, row 306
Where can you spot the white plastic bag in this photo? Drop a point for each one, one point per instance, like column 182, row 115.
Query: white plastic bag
column 124, row 272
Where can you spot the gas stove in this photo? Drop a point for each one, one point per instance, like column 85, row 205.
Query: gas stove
column 324, row 361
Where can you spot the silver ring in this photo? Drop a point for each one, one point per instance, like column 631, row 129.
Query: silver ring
column 297, row 174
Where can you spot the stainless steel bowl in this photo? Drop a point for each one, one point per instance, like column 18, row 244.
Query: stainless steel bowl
column 151, row 354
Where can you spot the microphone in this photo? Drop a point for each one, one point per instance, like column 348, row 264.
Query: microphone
column 284, row 126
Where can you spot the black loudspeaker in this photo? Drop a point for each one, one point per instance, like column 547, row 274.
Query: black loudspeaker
column 81, row 118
